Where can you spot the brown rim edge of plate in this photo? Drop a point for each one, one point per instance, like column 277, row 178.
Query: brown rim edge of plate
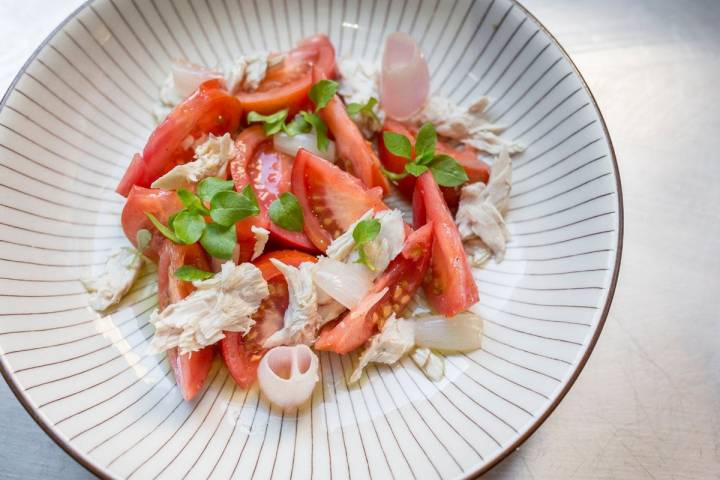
column 616, row 270
column 95, row 470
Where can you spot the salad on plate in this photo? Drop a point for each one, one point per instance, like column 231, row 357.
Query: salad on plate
column 295, row 202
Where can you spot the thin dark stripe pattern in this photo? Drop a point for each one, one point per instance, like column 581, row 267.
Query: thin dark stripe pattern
column 82, row 107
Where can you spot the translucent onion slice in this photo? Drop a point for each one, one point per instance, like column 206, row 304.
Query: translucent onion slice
column 287, row 375
column 290, row 145
column 405, row 78
column 461, row 333
column 347, row 283
column 188, row 76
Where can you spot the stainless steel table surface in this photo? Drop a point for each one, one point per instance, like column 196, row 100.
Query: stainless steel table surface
column 648, row 403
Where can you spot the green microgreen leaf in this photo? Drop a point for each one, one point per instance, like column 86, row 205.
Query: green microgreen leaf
column 395, row 177
column 208, row 187
column 191, row 201
column 365, row 231
column 320, row 130
column 397, row 144
column 322, row 92
column 297, row 125
column 229, row 206
column 219, row 241
column 188, row 226
column 142, row 239
column 167, row 232
column 366, row 110
column 285, row 212
column 272, row 123
column 425, row 143
column 447, row 171
column 188, row 273
column 415, row 169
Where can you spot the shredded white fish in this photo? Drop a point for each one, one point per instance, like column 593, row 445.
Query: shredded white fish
column 429, row 362
column 466, row 125
column 119, row 273
column 225, row 302
column 261, row 238
column 481, row 209
column 395, row 340
column 301, row 319
column 246, row 73
column 359, row 81
column 211, row 160
column 341, row 247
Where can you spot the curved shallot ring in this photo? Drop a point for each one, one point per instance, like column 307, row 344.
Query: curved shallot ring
column 287, row 375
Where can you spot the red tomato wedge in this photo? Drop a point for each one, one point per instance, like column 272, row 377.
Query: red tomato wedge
column 242, row 354
column 286, row 85
column 160, row 203
column 190, row 370
column 449, row 287
column 354, row 151
column 211, row 109
column 477, row 171
column 269, row 172
column 402, row 278
column 331, row 199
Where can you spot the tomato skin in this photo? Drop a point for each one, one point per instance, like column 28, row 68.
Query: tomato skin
column 353, row 150
column 403, row 277
column 331, row 198
column 287, row 85
column 211, row 109
column 449, row 286
column 190, row 370
column 161, row 203
column 466, row 156
column 269, row 172
column 242, row 354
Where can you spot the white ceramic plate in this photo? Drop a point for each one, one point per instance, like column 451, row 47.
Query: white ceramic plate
column 81, row 107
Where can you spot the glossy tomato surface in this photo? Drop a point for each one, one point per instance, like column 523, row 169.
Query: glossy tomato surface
column 449, row 286
column 331, row 198
column 286, row 85
column 190, row 370
column 242, row 354
column 211, row 109
column 160, row 203
column 402, row 278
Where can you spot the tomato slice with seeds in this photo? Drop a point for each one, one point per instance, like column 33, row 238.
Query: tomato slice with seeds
column 449, row 286
column 466, row 156
column 286, row 85
column 160, row 203
column 190, row 370
column 402, row 278
column 269, row 172
column 211, row 109
column 242, row 354
column 355, row 153
column 331, row 199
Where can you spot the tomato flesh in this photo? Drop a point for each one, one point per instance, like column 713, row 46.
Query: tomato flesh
column 466, row 156
column 160, row 203
column 449, row 285
column 331, row 198
column 190, row 370
column 269, row 172
column 402, row 278
column 242, row 354
column 211, row 109
column 354, row 151
column 286, row 85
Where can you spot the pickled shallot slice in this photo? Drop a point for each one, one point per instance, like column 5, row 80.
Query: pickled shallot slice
column 287, row 375
column 405, row 78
